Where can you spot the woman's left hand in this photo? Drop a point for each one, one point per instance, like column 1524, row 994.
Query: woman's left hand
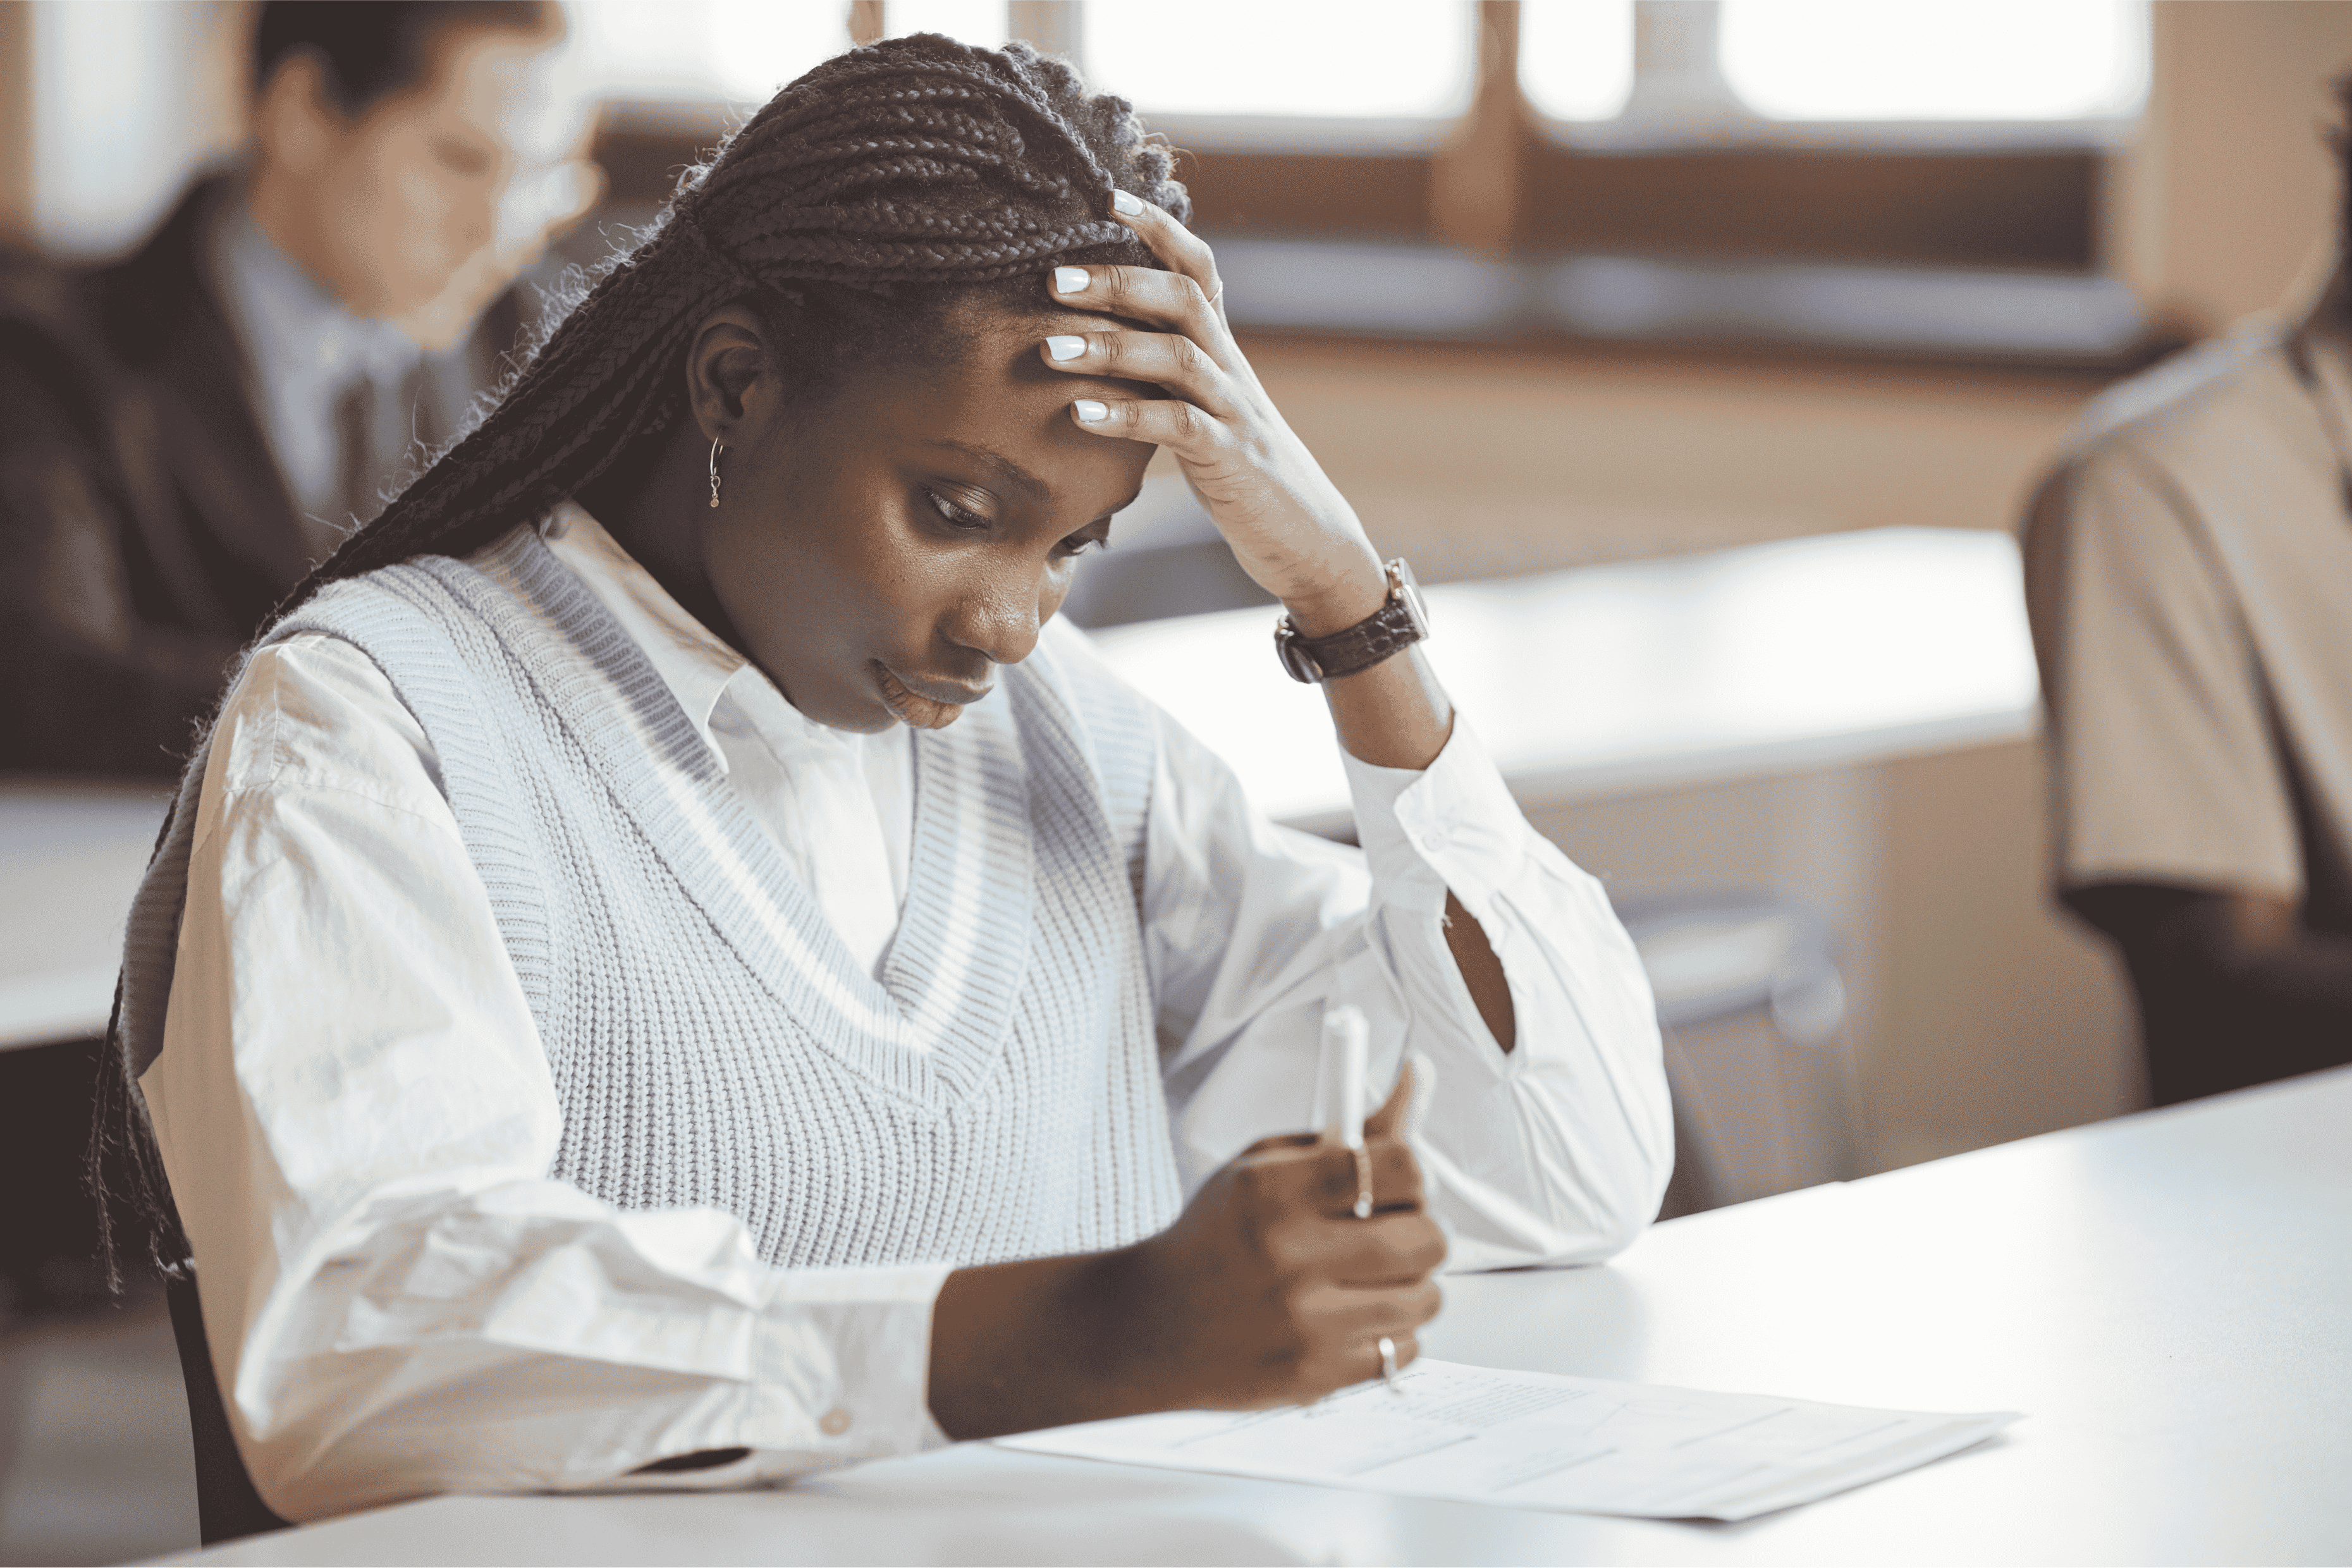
column 1289, row 527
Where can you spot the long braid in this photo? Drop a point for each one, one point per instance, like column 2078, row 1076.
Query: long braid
column 916, row 161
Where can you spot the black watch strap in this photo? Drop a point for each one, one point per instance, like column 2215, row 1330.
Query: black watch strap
column 1402, row 621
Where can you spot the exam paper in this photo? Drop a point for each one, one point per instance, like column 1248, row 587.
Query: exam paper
column 1532, row 1439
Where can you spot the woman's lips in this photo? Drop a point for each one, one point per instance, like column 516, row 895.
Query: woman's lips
column 921, row 710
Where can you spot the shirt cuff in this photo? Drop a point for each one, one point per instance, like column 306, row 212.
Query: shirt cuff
column 1451, row 825
column 843, row 1362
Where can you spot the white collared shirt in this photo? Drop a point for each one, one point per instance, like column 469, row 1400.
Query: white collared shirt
column 339, row 951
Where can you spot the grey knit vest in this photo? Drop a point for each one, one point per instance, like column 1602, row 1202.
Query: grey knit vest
column 994, row 1095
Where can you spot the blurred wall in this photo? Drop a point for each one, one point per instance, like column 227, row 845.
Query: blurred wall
column 1483, row 462
column 15, row 119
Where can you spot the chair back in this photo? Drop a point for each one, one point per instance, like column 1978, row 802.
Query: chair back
column 227, row 1506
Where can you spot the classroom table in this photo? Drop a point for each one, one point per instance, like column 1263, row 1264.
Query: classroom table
column 2167, row 1297
column 1803, row 653
column 71, row 851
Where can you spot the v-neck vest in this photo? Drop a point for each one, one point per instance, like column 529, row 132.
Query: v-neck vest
column 994, row 1094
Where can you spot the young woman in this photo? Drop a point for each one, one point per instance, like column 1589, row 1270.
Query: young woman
column 671, row 970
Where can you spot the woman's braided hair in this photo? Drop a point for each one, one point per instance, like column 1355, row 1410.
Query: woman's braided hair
column 867, row 200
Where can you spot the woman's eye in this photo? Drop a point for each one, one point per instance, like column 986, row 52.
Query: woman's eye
column 1079, row 543
column 960, row 516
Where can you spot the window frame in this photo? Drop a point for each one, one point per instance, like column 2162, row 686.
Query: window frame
column 1502, row 180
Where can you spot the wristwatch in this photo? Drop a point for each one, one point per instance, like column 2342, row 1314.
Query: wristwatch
column 1402, row 621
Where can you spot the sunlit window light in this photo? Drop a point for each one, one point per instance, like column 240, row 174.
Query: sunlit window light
column 1372, row 58
column 740, row 50
column 1935, row 60
column 980, row 22
column 1575, row 57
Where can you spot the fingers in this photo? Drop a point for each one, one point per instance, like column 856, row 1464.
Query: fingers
column 1341, row 1357
column 1177, row 363
column 1390, row 1118
column 1384, row 1252
column 1396, row 1178
column 1196, row 358
column 1183, row 251
column 1321, row 1177
column 1189, row 431
column 1284, row 1140
column 1349, row 1316
column 1142, row 294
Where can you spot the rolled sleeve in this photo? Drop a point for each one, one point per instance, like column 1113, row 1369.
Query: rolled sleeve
column 1555, row 1151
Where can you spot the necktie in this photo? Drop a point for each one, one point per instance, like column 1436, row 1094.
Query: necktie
column 355, row 481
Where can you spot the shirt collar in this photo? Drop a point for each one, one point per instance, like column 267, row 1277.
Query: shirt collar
column 699, row 669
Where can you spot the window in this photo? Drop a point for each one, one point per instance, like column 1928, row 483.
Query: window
column 972, row 21
column 1933, row 59
column 736, row 51
column 1616, row 170
column 118, row 121
column 1285, row 60
column 1575, row 57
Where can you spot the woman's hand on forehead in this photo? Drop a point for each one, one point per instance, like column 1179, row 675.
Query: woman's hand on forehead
column 1289, row 525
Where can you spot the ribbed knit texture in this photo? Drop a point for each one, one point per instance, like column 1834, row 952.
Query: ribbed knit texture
column 995, row 1095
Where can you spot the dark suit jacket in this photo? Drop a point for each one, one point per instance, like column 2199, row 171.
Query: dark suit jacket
column 145, row 534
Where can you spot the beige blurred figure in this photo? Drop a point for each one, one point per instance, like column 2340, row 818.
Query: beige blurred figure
column 2188, row 575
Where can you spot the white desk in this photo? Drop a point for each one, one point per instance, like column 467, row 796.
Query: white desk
column 70, row 856
column 1840, row 648
column 2169, row 1297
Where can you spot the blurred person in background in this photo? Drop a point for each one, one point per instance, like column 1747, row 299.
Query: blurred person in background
column 185, row 433
column 2188, row 575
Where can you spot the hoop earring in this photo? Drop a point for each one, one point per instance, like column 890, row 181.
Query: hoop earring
column 715, row 449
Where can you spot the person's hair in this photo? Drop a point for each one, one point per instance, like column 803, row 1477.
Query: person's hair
column 862, row 213
column 865, row 213
column 369, row 51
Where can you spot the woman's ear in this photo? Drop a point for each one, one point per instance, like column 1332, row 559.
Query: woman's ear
column 730, row 374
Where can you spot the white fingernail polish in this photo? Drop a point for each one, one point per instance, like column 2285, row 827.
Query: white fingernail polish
column 1126, row 203
column 1066, row 348
column 1089, row 412
column 1070, row 279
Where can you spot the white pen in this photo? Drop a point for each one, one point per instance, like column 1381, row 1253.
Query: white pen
column 1344, row 1031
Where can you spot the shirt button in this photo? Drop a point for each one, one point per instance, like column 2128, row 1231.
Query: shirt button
column 1432, row 842
column 833, row 1422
